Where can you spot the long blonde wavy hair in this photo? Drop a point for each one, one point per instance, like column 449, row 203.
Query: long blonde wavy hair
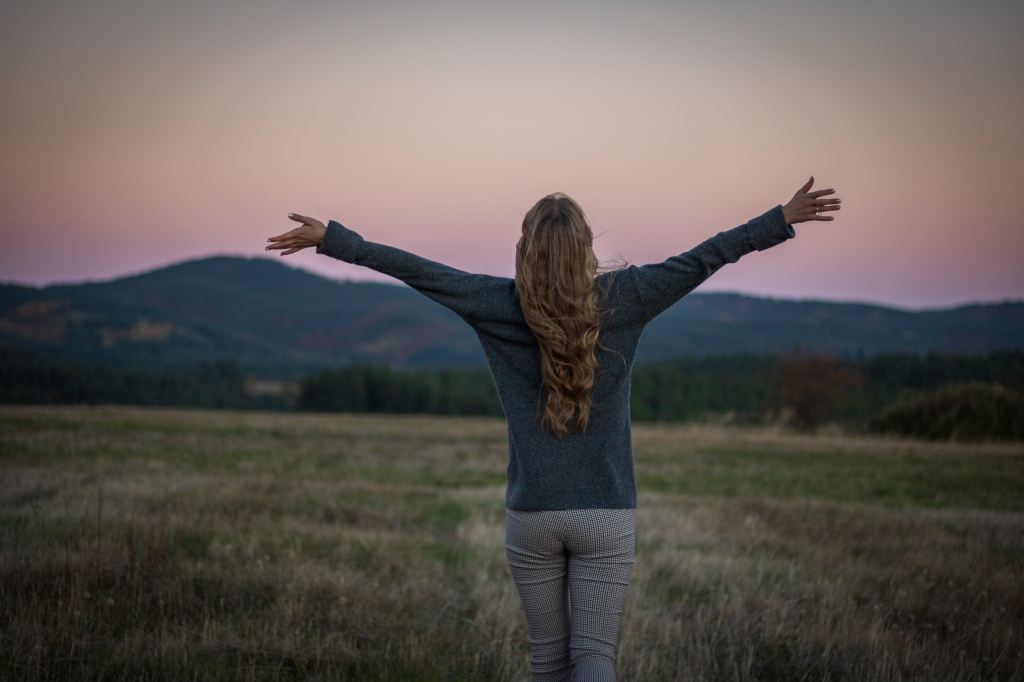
column 555, row 271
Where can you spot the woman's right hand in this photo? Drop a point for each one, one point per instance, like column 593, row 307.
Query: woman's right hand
column 806, row 205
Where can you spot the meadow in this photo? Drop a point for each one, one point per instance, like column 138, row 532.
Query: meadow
column 175, row 544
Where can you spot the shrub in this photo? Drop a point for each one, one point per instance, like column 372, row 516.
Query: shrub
column 970, row 410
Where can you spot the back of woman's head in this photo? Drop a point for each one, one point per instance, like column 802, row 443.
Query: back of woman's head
column 555, row 270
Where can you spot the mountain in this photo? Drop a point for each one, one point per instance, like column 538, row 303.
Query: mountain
column 279, row 320
column 727, row 322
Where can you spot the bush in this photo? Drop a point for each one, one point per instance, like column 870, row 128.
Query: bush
column 810, row 386
column 971, row 410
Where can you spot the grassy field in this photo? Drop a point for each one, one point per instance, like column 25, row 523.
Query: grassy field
column 175, row 544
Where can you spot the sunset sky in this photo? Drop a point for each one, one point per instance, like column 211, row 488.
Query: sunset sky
column 137, row 135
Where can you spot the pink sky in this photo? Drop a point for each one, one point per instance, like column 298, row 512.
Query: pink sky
column 139, row 135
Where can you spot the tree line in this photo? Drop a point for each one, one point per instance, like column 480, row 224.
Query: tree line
column 935, row 395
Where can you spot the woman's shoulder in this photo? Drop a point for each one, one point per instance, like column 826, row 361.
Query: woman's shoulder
column 618, row 295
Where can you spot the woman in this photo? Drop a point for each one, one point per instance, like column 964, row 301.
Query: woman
column 560, row 341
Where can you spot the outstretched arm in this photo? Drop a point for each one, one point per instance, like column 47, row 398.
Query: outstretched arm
column 455, row 289
column 659, row 285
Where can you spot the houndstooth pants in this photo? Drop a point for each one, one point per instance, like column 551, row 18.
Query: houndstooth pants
column 571, row 568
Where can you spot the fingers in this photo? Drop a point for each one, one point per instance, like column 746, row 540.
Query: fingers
column 820, row 209
column 290, row 234
column 805, row 208
column 807, row 185
column 282, row 244
column 818, row 192
column 292, row 240
column 287, row 247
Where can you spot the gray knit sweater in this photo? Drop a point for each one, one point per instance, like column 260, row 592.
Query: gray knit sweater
column 591, row 469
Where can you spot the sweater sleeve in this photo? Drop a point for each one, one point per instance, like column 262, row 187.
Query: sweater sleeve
column 659, row 285
column 455, row 289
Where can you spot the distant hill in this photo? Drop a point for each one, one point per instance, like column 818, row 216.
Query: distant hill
column 276, row 319
column 726, row 322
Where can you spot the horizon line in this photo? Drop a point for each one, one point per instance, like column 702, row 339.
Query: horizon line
column 396, row 282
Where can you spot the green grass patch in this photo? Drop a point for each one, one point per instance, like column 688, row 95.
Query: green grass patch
column 975, row 481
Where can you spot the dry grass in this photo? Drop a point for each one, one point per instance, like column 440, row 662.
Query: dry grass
column 145, row 544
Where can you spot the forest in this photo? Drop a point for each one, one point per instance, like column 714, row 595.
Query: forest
column 931, row 395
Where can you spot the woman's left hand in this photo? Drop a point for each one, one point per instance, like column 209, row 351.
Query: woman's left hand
column 310, row 233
